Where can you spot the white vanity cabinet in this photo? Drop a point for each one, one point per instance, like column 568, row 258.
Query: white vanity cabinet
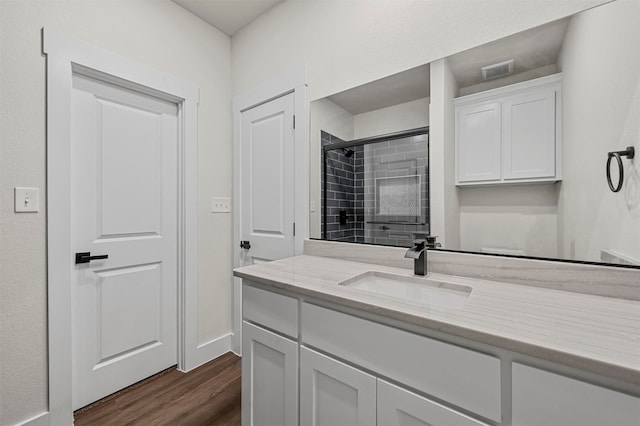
column 311, row 364
column 269, row 359
column 457, row 375
column 510, row 135
column 334, row 393
column 398, row 406
column 543, row 398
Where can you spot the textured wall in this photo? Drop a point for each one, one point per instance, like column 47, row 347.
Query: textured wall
column 154, row 32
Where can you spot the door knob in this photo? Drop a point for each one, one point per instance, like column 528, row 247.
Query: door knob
column 85, row 257
column 245, row 245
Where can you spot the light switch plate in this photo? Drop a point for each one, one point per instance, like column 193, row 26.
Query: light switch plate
column 220, row 205
column 27, row 200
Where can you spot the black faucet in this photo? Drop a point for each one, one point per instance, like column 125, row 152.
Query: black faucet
column 431, row 242
column 419, row 255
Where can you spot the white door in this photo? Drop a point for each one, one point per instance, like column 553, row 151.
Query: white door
column 333, row 393
column 267, row 188
column 269, row 378
column 124, row 147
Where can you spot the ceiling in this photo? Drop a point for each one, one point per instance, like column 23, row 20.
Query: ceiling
column 228, row 15
column 531, row 50
column 396, row 89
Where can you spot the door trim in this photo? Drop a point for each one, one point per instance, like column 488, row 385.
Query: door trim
column 64, row 57
column 294, row 82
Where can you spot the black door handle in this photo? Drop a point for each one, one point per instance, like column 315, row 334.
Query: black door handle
column 85, row 257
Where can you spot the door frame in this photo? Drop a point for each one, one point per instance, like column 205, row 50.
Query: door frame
column 294, row 82
column 66, row 56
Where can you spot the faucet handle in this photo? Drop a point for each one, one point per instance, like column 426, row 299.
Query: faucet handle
column 431, row 241
column 419, row 244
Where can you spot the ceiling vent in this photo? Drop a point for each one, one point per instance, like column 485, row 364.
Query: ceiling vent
column 497, row 70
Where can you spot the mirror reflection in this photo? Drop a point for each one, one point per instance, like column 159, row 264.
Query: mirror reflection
column 520, row 131
column 375, row 190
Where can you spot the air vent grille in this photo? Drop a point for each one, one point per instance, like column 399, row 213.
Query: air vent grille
column 497, row 70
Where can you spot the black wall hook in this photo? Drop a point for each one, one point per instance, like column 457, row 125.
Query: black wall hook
column 630, row 152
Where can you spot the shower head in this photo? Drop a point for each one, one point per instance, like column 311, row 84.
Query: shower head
column 347, row 152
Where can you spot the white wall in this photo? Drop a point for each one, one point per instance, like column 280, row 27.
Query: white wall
column 154, row 32
column 445, row 211
column 328, row 116
column 600, row 61
column 347, row 43
column 409, row 115
column 520, row 217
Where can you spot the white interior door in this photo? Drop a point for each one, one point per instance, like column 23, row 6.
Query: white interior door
column 124, row 147
column 267, row 146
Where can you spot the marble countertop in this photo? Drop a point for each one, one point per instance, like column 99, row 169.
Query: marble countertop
column 591, row 333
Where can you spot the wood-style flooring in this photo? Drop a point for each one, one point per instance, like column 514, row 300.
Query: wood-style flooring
column 208, row 395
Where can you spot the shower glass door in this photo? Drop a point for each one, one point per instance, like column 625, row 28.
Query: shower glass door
column 376, row 190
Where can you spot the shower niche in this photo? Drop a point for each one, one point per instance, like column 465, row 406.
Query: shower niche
column 376, row 189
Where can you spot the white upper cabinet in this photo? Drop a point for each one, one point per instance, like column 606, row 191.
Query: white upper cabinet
column 510, row 135
column 479, row 127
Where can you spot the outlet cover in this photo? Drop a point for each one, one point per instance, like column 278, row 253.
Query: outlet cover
column 27, row 200
column 220, row 205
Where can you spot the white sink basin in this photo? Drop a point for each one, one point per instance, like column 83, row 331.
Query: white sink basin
column 422, row 291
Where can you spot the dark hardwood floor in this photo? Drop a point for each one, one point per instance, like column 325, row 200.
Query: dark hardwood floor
column 208, row 395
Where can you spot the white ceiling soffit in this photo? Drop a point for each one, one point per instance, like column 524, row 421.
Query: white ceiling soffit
column 531, row 49
column 396, row 89
column 228, row 15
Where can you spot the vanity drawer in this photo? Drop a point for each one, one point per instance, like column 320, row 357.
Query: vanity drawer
column 271, row 310
column 457, row 375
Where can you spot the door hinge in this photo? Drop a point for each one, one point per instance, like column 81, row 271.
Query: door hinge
column 294, row 229
column 294, row 122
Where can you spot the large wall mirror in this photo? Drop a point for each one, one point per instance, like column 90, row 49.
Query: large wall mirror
column 512, row 163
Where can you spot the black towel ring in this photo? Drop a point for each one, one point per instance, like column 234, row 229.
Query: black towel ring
column 630, row 153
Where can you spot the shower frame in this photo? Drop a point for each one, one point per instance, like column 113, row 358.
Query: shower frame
column 367, row 141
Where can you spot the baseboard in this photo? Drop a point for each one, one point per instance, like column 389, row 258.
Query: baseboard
column 236, row 351
column 41, row 419
column 210, row 350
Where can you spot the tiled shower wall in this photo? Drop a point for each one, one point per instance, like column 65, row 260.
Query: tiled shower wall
column 341, row 192
column 382, row 188
column 396, row 191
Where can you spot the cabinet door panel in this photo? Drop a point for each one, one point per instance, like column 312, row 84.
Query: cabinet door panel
column 478, row 142
column 399, row 407
column 269, row 378
column 543, row 398
column 529, row 143
column 333, row 393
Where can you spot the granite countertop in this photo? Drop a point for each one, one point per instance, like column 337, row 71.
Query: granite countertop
column 591, row 333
